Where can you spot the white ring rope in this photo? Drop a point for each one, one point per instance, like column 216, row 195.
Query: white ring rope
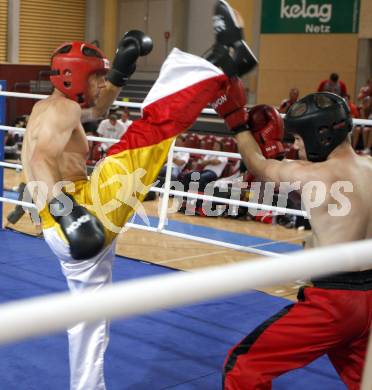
column 280, row 210
column 116, row 102
column 22, row 130
column 233, row 202
column 163, row 220
column 210, row 152
column 259, row 206
column 18, row 202
column 247, row 249
column 166, row 191
column 45, row 321
column 38, row 316
column 160, row 229
column 10, row 165
column 356, row 121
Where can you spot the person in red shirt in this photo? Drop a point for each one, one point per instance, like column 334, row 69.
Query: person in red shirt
column 286, row 103
column 357, row 130
column 355, row 113
column 366, row 131
column 333, row 84
column 366, row 90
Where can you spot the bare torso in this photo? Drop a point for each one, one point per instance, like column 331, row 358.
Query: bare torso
column 71, row 160
column 332, row 220
column 343, row 216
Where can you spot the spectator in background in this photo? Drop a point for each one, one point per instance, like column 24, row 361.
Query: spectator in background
column 294, row 93
column 113, row 110
column 22, row 123
column 366, row 90
column 13, row 140
column 90, row 129
column 180, row 160
column 124, row 119
column 355, row 113
column 210, row 169
column 357, row 130
column 366, row 113
column 333, row 84
column 361, row 135
column 110, row 128
column 18, row 211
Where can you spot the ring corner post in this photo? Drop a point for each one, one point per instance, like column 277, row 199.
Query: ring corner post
column 2, row 122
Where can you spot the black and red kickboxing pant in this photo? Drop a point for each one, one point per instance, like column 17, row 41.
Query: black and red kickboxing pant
column 324, row 321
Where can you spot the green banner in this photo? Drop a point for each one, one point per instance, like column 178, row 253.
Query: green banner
column 309, row 16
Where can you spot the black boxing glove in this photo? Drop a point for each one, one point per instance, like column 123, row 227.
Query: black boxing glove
column 83, row 231
column 133, row 45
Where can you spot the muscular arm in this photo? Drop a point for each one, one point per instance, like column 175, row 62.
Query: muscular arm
column 269, row 169
column 50, row 142
column 105, row 99
column 133, row 44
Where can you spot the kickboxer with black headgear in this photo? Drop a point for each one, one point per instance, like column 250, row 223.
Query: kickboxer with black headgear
column 323, row 121
column 81, row 216
column 333, row 316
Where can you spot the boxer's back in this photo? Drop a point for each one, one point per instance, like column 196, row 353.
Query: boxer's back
column 346, row 213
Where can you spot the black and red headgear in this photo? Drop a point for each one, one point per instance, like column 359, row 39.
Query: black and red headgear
column 71, row 65
column 323, row 120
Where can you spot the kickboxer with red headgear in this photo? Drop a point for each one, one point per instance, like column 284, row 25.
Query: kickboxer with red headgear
column 71, row 66
column 54, row 152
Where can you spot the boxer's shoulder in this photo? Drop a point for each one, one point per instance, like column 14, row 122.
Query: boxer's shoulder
column 62, row 103
column 62, row 109
column 303, row 171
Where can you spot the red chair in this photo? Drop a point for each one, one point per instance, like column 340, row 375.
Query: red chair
column 95, row 154
column 208, row 142
column 231, row 168
column 192, row 141
column 229, row 145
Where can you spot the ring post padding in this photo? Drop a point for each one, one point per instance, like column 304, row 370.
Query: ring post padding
column 2, row 122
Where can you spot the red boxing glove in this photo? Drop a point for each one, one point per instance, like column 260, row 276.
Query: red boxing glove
column 230, row 106
column 267, row 128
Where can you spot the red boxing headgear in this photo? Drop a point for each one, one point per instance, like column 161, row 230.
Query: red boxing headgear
column 72, row 63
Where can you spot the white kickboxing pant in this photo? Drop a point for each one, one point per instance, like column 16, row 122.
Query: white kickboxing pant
column 186, row 84
column 87, row 342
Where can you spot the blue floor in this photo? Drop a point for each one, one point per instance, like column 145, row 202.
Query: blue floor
column 179, row 349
